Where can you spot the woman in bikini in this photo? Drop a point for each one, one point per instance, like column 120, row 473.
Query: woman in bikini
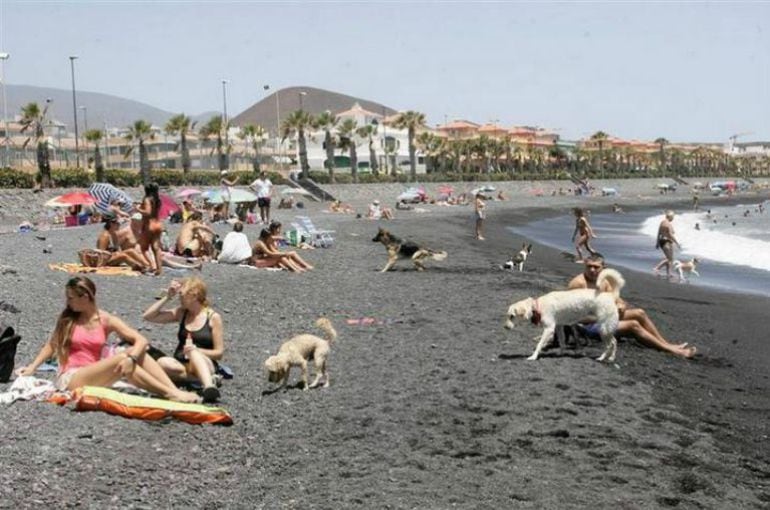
column 582, row 234
column 265, row 256
column 78, row 341
column 200, row 338
column 152, row 227
column 272, row 242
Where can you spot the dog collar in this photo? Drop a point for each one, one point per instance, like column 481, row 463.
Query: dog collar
column 536, row 316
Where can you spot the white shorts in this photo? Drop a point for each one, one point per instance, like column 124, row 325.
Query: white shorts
column 63, row 379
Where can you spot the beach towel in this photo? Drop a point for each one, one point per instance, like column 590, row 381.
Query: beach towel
column 28, row 388
column 107, row 270
column 92, row 398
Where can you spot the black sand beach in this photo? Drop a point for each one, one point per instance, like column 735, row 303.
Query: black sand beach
column 435, row 408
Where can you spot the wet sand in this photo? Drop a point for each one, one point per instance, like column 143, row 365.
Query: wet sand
column 436, row 407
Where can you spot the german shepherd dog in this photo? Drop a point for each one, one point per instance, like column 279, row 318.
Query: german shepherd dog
column 400, row 249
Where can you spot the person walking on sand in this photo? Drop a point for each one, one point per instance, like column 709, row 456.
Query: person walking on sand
column 264, row 189
column 665, row 241
column 78, row 341
column 633, row 321
column 478, row 209
column 582, row 234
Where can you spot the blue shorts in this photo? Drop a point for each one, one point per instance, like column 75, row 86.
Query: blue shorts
column 591, row 330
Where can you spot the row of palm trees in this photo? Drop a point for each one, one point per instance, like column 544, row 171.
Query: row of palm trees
column 480, row 155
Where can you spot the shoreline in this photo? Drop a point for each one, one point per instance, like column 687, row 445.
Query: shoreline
column 435, row 408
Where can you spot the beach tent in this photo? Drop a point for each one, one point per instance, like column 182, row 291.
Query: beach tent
column 167, row 206
column 609, row 192
column 412, row 195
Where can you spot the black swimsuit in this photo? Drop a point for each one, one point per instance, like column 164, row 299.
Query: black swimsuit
column 202, row 338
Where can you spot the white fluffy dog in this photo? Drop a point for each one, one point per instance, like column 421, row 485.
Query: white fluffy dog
column 686, row 266
column 570, row 306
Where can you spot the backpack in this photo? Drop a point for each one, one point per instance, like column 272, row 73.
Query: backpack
column 8, row 341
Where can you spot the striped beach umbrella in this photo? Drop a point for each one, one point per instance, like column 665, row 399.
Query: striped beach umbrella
column 105, row 194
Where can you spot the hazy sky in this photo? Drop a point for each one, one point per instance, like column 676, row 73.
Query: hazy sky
column 686, row 71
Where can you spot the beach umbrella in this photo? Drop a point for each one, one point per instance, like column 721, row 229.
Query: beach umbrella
column 105, row 194
column 70, row 199
column 296, row 191
column 236, row 196
column 188, row 192
column 167, row 206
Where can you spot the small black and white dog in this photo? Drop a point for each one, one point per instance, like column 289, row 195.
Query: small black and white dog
column 517, row 261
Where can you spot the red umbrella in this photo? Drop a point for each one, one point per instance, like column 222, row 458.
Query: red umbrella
column 70, row 199
column 167, row 206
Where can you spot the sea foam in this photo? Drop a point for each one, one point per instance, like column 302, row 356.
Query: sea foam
column 712, row 244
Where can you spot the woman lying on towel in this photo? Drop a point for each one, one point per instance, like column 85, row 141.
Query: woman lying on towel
column 200, row 336
column 78, row 341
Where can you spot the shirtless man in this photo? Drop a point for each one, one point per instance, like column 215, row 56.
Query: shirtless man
column 119, row 243
column 633, row 321
column 193, row 239
column 666, row 241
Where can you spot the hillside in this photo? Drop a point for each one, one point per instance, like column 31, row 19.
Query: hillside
column 115, row 111
column 315, row 101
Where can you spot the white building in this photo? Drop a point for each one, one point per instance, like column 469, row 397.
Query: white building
column 750, row 149
column 390, row 145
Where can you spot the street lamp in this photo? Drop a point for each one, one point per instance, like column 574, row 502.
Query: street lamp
column 75, row 109
column 277, row 123
column 301, row 95
column 3, row 57
column 224, row 120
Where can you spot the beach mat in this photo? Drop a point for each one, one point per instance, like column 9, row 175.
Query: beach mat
column 106, row 270
column 92, row 398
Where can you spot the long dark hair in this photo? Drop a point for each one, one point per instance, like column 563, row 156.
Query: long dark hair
column 151, row 192
column 61, row 338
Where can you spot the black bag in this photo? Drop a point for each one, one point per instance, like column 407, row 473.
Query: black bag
column 8, row 341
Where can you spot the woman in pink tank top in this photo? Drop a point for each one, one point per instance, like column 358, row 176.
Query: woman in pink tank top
column 77, row 340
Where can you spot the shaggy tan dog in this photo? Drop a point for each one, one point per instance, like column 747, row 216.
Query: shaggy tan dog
column 298, row 351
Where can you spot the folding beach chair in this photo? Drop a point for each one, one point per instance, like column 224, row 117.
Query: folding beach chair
column 318, row 238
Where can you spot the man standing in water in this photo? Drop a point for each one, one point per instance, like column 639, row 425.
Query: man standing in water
column 665, row 242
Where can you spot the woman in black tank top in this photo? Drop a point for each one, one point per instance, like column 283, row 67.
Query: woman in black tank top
column 194, row 359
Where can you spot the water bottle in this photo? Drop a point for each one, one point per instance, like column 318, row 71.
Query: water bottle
column 188, row 341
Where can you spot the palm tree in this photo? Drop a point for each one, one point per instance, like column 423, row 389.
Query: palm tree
column 215, row 127
column 33, row 120
column 256, row 136
column 368, row 132
column 411, row 121
column 181, row 125
column 140, row 131
column 296, row 124
column 432, row 146
column 662, row 142
column 600, row 137
column 327, row 122
column 95, row 136
column 347, row 133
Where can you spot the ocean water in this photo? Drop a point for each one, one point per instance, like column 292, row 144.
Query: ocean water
column 733, row 246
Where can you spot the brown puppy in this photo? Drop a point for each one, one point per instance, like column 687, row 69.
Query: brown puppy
column 298, row 351
column 400, row 249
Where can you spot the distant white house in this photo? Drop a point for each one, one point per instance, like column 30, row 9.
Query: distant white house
column 750, row 149
column 391, row 145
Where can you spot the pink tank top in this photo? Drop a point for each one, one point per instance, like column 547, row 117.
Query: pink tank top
column 86, row 346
